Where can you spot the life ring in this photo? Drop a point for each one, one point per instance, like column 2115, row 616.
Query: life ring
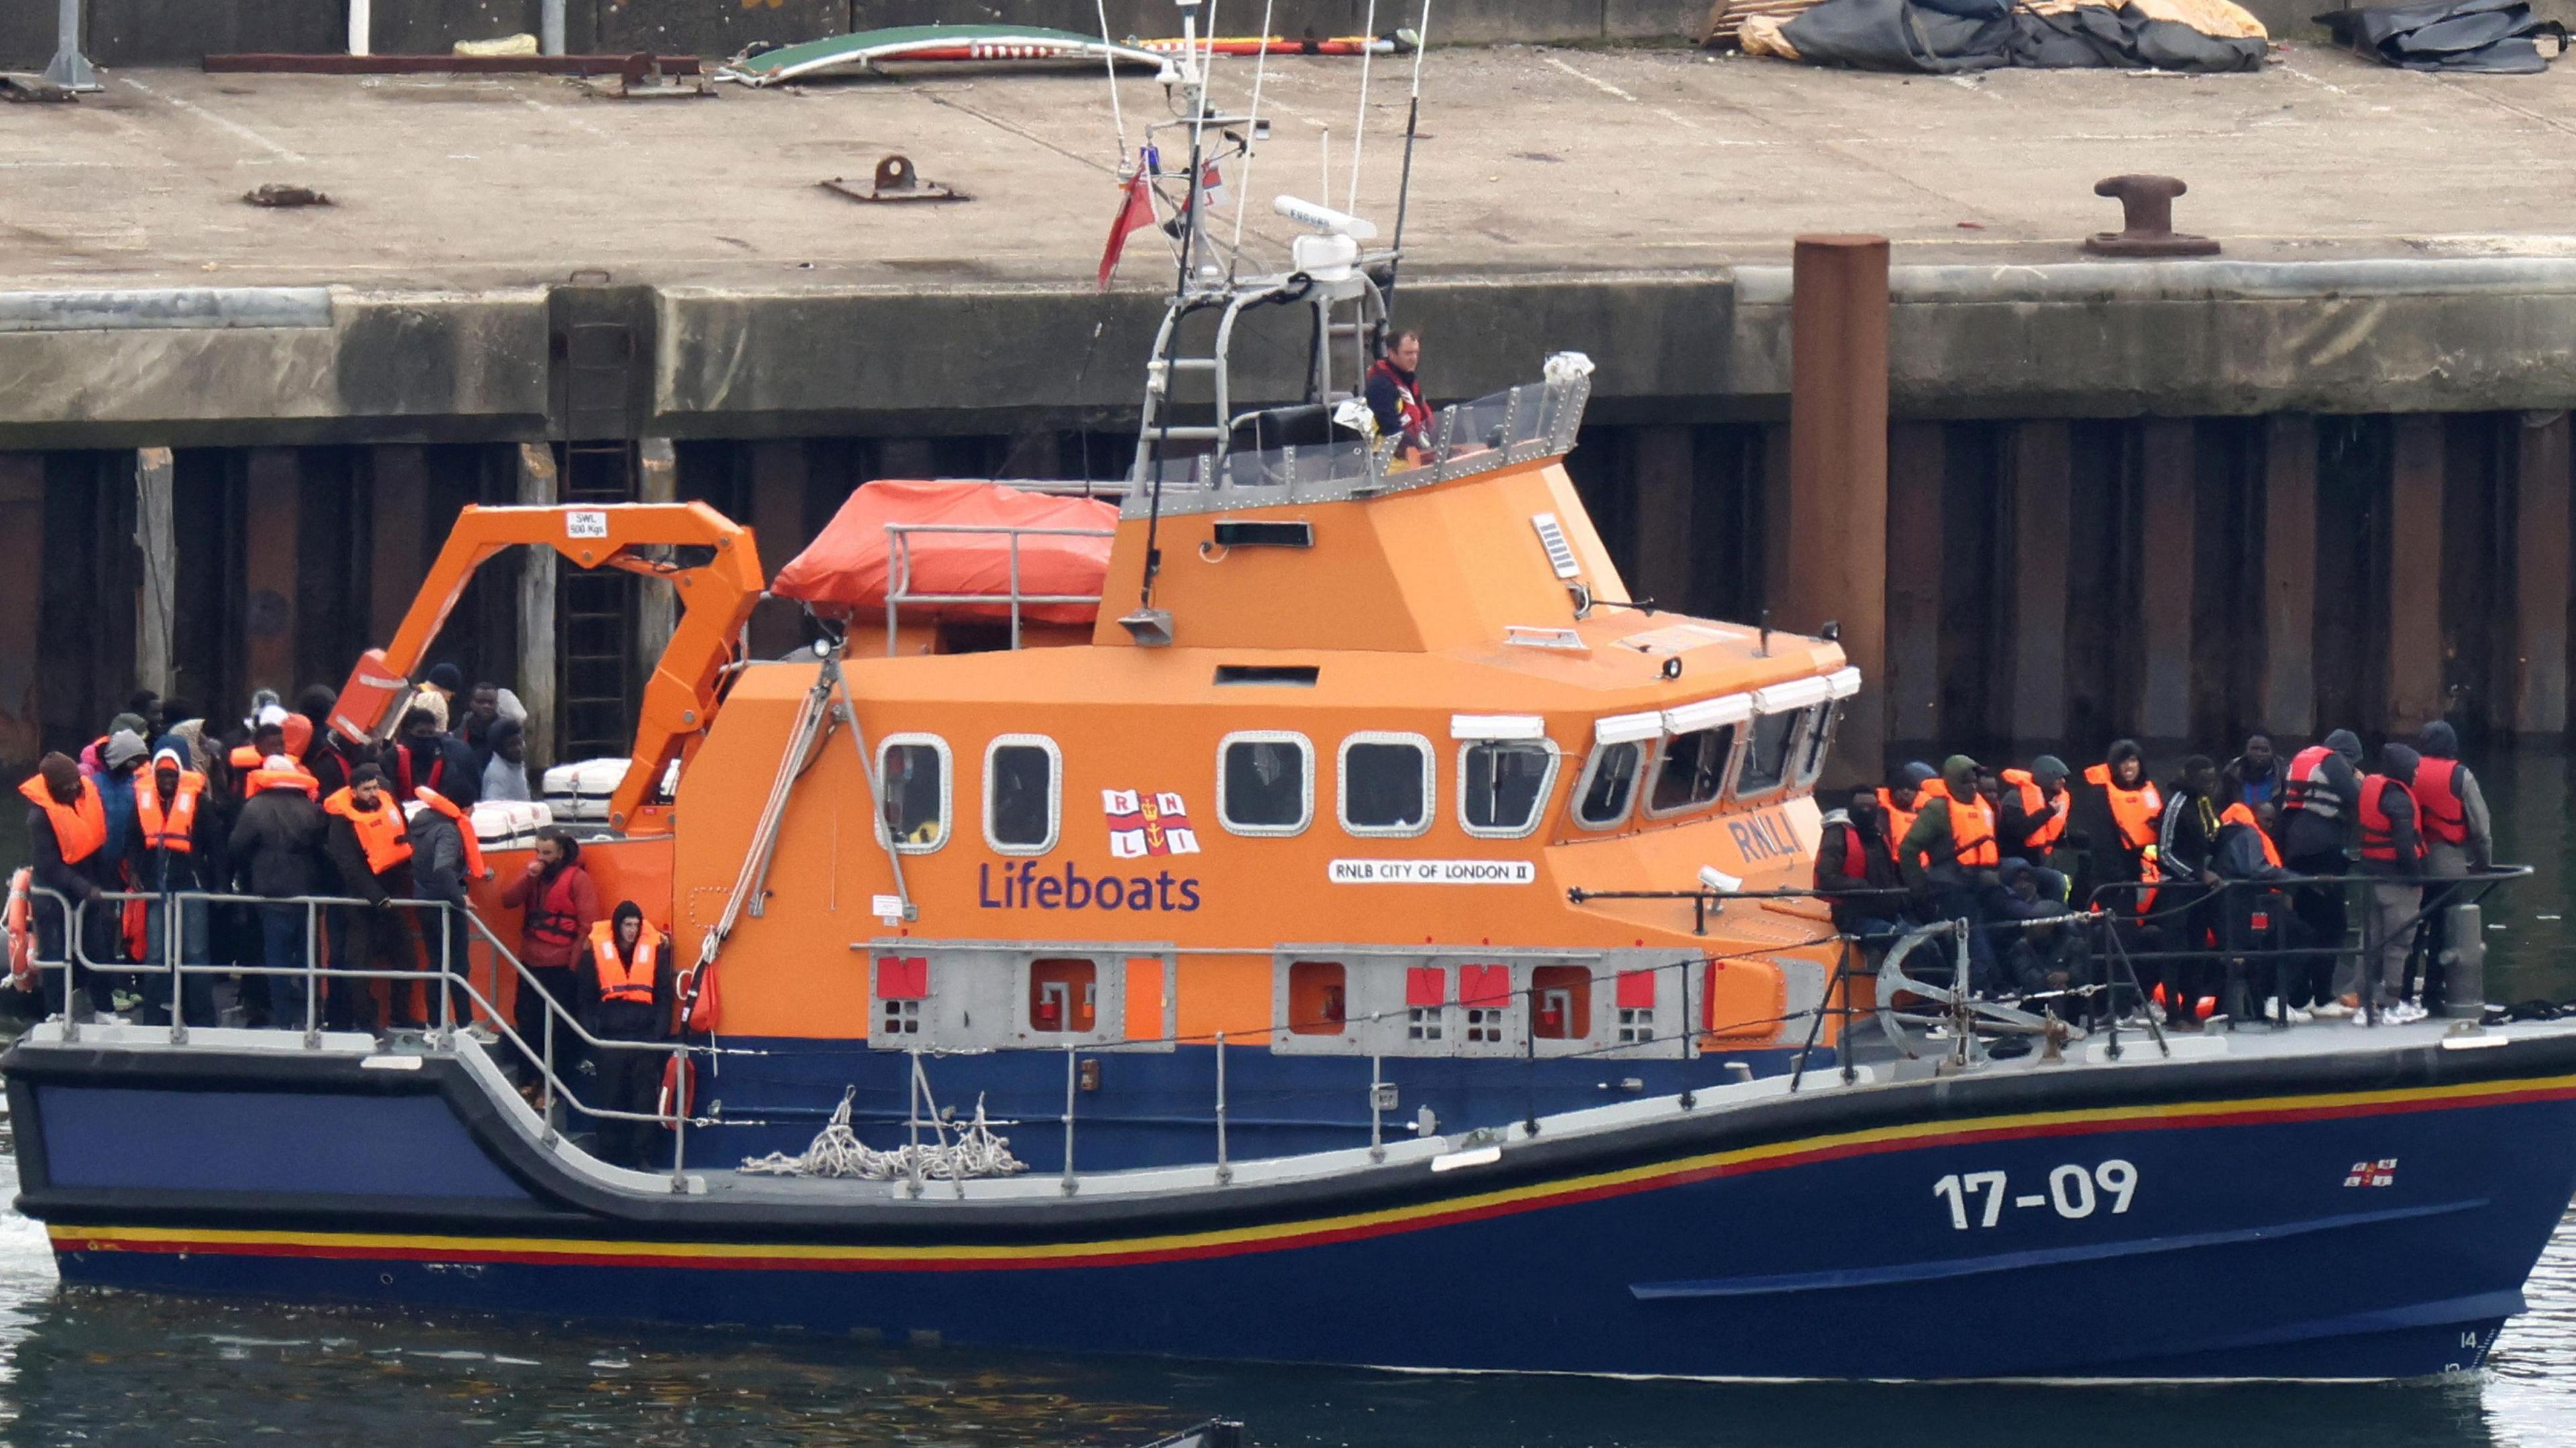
column 21, row 927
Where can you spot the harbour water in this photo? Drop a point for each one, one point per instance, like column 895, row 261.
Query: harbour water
column 94, row 1368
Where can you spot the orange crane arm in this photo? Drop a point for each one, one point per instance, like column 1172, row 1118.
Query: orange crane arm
column 718, row 578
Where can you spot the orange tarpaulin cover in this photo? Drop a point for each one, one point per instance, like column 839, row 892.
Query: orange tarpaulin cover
column 846, row 568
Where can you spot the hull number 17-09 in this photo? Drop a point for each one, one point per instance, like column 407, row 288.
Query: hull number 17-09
column 1978, row 1197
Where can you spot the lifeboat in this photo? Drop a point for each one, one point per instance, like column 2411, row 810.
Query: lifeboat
column 1296, row 907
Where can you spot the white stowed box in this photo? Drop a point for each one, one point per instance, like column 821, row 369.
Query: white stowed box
column 501, row 824
column 579, row 792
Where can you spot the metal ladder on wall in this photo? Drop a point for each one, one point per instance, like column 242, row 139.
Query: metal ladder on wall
column 596, row 685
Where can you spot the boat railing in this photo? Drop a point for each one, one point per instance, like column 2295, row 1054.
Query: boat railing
column 1503, row 429
column 899, row 589
column 447, row 974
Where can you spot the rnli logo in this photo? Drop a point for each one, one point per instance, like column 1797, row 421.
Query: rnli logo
column 1142, row 825
column 1764, row 836
column 2381, row 1173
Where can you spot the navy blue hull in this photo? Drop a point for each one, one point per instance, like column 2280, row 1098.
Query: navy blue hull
column 1157, row 1108
column 2170, row 1222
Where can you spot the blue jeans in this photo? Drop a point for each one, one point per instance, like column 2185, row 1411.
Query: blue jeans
column 196, row 947
column 282, row 948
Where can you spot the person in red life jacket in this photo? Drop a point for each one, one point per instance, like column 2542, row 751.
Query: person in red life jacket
column 1856, row 870
column 446, row 860
column 561, row 904
column 628, row 992
column 2031, row 816
column 1395, row 396
column 1951, row 842
column 370, row 845
column 277, row 853
column 177, row 846
column 2130, row 810
column 2317, row 831
column 67, row 846
column 425, row 758
column 2392, row 853
column 2459, row 839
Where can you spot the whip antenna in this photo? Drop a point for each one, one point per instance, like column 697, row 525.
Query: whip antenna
column 1359, row 133
column 1109, row 62
column 1252, row 123
column 1412, row 116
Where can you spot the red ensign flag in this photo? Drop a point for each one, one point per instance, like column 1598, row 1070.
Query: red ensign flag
column 1136, row 211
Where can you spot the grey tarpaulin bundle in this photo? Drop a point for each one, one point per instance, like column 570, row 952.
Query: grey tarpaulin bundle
column 2497, row 37
column 1944, row 36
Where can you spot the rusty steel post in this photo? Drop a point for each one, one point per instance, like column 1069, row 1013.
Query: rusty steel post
column 1838, row 472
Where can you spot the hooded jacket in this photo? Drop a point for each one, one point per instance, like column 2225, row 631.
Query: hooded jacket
column 2440, row 741
column 2398, row 763
column 2305, row 833
column 1927, row 855
column 276, row 845
column 626, row 1020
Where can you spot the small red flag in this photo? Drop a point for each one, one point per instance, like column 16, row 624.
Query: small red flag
column 1134, row 213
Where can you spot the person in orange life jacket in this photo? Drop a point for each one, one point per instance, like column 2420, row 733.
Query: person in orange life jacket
column 1951, row 842
column 2392, row 853
column 1856, row 871
column 2122, row 809
column 628, row 992
column 1909, row 786
column 2254, row 916
column 371, row 847
column 276, row 852
column 67, row 847
column 425, row 757
column 2031, row 816
column 1395, row 396
column 2320, row 809
column 2186, row 839
column 267, row 739
column 2459, row 838
column 561, row 904
column 177, row 846
column 445, row 861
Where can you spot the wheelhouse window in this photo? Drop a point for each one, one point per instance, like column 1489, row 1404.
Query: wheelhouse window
column 1767, row 754
column 1691, row 770
column 1265, row 783
column 1385, row 783
column 1503, row 785
column 1023, row 790
column 1609, row 783
column 912, row 791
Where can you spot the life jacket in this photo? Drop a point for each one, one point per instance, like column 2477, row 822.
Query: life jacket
column 2240, row 813
column 381, row 832
column 551, row 918
column 1972, row 833
column 1899, row 820
column 246, row 756
column 464, row 828
column 2307, row 788
column 2440, row 815
column 1413, row 414
column 1855, row 860
column 402, row 770
column 170, row 832
column 2035, row 805
column 2134, row 812
column 265, row 779
column 2378, row 831
column 21, row 927
column 629, row 982
column 80, row 828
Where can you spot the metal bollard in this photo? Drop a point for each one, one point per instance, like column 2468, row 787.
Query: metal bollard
column 69, row 68
column 2463, row 959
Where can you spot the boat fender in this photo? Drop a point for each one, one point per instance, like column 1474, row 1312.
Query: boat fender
column 21, row 928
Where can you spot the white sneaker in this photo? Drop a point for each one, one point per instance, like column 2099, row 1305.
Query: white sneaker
column 483, row 1033
column 2333, row 1011
column 2272, row 1006
column 2301, row 1015
column 2404, row 1013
